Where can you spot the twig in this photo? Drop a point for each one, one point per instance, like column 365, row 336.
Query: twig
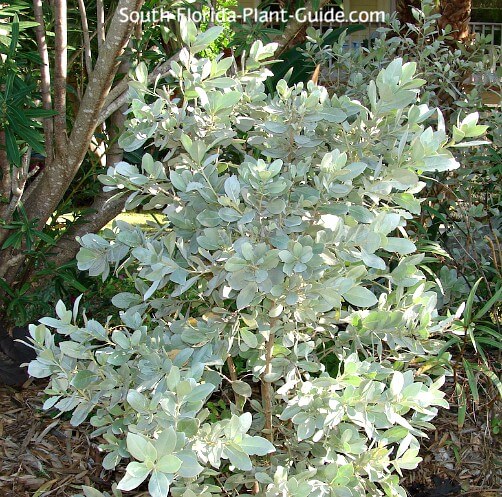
column 266, row 389
column 231, row 368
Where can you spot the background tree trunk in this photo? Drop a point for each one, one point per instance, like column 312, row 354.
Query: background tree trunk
column 457, row 14
column 66, row 148
column 404, row 12
column 295, row 27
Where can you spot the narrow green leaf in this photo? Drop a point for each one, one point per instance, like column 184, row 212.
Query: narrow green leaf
column 469, row 303
column 487, row 307
column 471, row 379
column 13, row 154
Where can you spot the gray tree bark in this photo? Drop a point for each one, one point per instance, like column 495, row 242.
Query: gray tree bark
column 65, row 157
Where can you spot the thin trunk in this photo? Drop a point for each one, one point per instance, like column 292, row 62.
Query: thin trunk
column 457, row 14
column 86, row 37
column 60, row 75
column 6, row 177
column 100, row 14
column 43, row 195
column 45, row 85
column 54, row 181
column 106, row 206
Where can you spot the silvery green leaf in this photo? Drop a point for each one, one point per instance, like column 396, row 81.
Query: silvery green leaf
column 177, row 181
column 249, row 338
column 111, row 460
column 190, row 467
column 151, row 290
column 235, row 264
column 408, row 202
column 276, row 206
column 237, row 457
column 472, row 143
column 204, row 39
column 136, row 474
column 140, row 448
column 360, row 297
column 220, row 83
column 67, row 403
column 372, row 260
column 306, row 429
column 168, row 464
column 81, row 413
column 121, row 340
column 397, row 383
column 242, row 388
column 200, row 392
column 439, row 162
column 83, row 379
column 247, row 251
column 50, row 402
column 246, row 295
column 189, row 427
column 72, row 349
column 188, row 30
column 141, row 73
column 275, row 127
column 276, row 311
column 52, row 322
column 332, row 115
column 233, row 188
column 166, row 442
column 409, row 460
column 137, row 401
column 209, row 218
column 258, row 446
column 158, row 486
column 125, row 300
column 400, row 245
column 38, row 370
column 386, row 222
column 229, row 215
column 361, row 214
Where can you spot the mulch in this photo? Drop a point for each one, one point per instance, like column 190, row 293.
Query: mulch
column 41, row 456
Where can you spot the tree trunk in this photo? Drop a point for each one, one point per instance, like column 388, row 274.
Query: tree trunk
column 295, row 27
column 106, row 206
column 42, row 196
column 404, row 12
column 457, row 14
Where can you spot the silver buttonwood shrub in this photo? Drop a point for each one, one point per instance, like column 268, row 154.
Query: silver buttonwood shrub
column 281, row 280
